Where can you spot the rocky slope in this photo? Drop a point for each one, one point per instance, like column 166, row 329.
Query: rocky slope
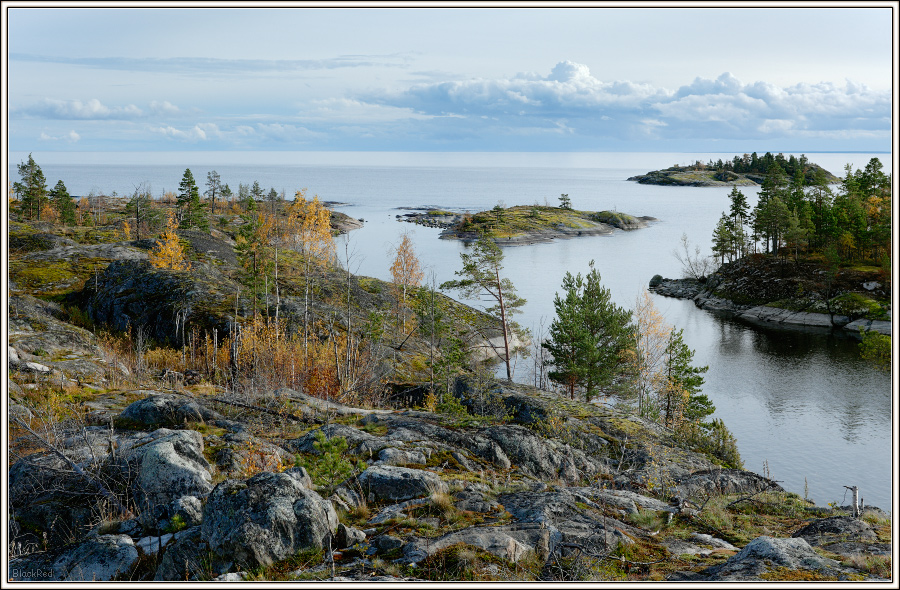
column 114, row 474
column 552, row 490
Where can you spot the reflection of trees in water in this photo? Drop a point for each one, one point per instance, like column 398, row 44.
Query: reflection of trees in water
column 805, row 372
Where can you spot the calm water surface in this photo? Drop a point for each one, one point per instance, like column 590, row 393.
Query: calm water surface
column 801, row 405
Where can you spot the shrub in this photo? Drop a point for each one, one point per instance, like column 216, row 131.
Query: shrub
column 332, row 466
column 713, row 439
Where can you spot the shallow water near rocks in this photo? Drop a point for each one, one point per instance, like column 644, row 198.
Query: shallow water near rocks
column 804, row 408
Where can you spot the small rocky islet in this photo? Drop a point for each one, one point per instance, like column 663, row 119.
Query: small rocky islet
column 524, row 224
column 166, row 477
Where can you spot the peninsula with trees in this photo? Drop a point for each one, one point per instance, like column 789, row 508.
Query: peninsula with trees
column 746, row 170
column 805, row 256
column 527, row 224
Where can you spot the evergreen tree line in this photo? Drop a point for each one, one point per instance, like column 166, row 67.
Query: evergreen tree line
column 795, row 215
column 755, row 164
column 36, row 202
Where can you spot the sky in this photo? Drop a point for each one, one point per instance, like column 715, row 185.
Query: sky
column 155, row 77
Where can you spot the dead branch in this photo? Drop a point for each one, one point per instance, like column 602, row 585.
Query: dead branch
column 95, row 482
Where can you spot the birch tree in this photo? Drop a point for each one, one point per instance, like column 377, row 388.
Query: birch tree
column 406, row 273
column 308, row 228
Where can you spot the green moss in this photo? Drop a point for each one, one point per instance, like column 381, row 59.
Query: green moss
column 784, row 574
column 855, row 304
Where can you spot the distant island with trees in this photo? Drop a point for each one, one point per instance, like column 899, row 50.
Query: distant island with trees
column 746, row 170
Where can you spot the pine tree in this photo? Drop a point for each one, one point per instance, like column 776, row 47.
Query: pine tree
column 63, row 203
column 681, row 395
column 481, row 276
column 739, row 212
column 139, row 207
column 190, row 209
column 723, row 239
column 590, row 337
column 254, row 252
column 213, row 189
column 32, row 189
column 245, row 198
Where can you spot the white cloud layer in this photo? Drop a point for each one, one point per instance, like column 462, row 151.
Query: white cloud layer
column 723, row 108
column 567, row 108
column 93, row 109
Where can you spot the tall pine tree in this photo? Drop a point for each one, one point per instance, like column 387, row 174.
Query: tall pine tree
column 481, row 276
column 590, row 337
column 63, row 203
column 32, row 189
column 191, row 210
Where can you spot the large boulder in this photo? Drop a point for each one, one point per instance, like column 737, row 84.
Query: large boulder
column 765, row 555
column 396, row 484
column 166, row 410
column 354, row 437
column 511, row 542
column 836, row 528
column 724, row 481
column 101, row 559
column 166, row 465
column 160, row 301
column 266, row 518
column 843, row 535
column 188, row 557
column 543, row 458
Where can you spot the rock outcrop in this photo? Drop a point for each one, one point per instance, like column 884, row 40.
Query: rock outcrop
column 266, row 518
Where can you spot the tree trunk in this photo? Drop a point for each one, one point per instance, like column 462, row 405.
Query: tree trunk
column 503, row 325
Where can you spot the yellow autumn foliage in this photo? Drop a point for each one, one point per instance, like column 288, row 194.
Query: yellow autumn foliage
column 169, row 253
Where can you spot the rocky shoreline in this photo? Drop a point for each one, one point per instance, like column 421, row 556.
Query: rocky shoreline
column 765, row 315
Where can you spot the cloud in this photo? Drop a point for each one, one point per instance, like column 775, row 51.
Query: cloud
column 197, row 133
column 70, row 137
column 348, row 110
column 212, row 66
column 723, row 108
column 94, row 110
column 164, row 108
column 50, row 108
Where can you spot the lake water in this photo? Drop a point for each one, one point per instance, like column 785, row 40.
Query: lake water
column 803, row 406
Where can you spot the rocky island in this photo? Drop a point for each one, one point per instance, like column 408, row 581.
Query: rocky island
column 526, row 224
column 750, row 170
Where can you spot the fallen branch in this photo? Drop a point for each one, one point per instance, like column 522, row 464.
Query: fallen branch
column 769, row 486
column 92, row 480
